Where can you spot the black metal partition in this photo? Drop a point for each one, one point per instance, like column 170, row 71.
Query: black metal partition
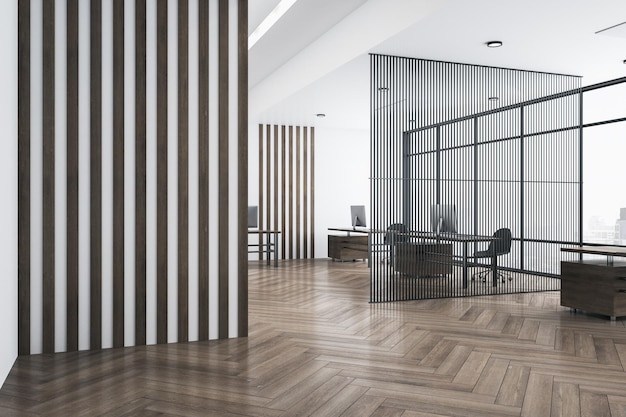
column 502, row 147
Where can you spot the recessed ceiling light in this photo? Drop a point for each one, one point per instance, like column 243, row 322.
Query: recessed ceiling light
column 624, row 61
column 321, row 115
column 494, row 44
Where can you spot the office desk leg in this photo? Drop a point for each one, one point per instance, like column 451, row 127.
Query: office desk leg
column 464, row 264
column 275, row 249
column 494, row 270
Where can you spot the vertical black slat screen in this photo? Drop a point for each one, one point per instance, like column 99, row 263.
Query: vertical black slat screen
column 456, row 134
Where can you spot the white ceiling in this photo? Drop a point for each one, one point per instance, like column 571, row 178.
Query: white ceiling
column 315, row 59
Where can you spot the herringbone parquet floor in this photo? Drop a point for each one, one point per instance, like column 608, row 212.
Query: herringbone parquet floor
column 318, row 348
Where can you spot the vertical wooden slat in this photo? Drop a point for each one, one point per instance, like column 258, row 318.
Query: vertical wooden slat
column 95, row 176
column 261, row 194
column 275, row 227
column 223, row 117
column 118, row 173
column 161, row 171
column 23, row 161
column 290, row 199
column 312, row 193
column 203, row 170
column 140, row 172
column 242, row 131
column 298, row 208
column 282, row 193
column 183, row 170
column 305, row 193
column 48, row 175
column 72, row 175
column 268, row 177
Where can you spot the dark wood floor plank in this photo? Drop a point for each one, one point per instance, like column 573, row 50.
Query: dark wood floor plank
column 316, row 347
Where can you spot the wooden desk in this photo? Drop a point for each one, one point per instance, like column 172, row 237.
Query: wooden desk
column 269, row 246
column 348, row 246
column 459, row 238
column 595, row 285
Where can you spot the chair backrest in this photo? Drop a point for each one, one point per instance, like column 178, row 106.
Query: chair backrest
column 502, row 246
column 392, row 237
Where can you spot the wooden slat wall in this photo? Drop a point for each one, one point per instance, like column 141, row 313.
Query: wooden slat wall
column 183, row 170
column 72, row 175
column 203, row 170
column 23, row 198
column 215, row 233
column 118, row 173
column 140, row 172
column 161, row 171
column 95, row 176
column 48, row 172
column 286, row 187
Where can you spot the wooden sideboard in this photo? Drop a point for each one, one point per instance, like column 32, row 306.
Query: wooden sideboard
column 595, row 285
column 424, row 259
column 348, row 247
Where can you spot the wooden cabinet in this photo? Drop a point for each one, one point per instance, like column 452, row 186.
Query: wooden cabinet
column 348, row 247
column 594, row 286
column 423, row 259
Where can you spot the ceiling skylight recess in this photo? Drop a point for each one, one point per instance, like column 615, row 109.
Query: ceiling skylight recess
column 271, row 19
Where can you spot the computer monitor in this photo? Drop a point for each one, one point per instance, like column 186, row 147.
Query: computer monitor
column 253, row 216
column 358, row 216
column 443, row 218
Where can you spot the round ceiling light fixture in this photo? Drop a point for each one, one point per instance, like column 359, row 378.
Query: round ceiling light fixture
column 321, row 115
column 494, row 44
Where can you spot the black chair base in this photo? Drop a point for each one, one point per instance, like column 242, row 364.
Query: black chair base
column 484, row 274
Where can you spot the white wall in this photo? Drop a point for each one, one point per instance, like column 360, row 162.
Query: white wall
column 8, row 186
column 342, row 160
column 342, row 172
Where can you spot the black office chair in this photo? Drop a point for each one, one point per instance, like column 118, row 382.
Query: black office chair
column 393, row 236
column 501, row 246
